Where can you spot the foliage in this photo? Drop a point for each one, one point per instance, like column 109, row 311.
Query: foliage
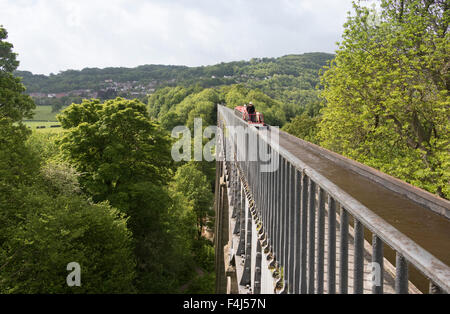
column 44, row 145
column 94, row 78
column 55, row 104
column 56, row 191
column 115, row 146
column 193, row 184
column 67, row 228
column 47, row 223
column 205, row 253
column 304, row 127
column 161, row 101
column 202, row 284
column 290, row 79
column 387, row 92
column 17, row 164
column 202, row 105
column 124, row 158
column 14, row 105
column 301, row 70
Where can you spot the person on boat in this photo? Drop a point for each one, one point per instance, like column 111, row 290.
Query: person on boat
column 251, row 111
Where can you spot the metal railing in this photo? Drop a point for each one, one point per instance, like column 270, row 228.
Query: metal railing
column 303, row 221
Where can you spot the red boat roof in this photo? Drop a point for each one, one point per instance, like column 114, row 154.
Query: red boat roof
column 240, row 108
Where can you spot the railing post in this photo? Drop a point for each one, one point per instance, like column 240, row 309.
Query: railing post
column 257, row 283
column 401, row 278
column 247, row 274
column 284, row 222
column 237, row 206
column 242, row 235
column 320, row 240
column 278, row 230
column 331, row 245
column 297, row 217
column 272, row 209
column 312, row 235
column 377, row 261
column 434, row 289
column 235, row 196
column 358, row 273
column 304, row 234
column 292, row 229
column 343, row 256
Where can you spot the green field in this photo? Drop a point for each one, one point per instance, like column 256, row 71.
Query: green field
column 44, row 113
column 43, row 117
column 47, row 124
column 49, row 130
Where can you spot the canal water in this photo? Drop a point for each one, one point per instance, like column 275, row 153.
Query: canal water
column 428, row 229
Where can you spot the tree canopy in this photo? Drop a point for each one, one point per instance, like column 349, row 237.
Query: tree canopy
column 14, row 104
column 46, row 222
column 386, row 92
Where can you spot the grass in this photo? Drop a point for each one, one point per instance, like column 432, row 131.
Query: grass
column 44, row 117
column 47, row 124
column 35, row 124
column 48, row 129
column 44, row 113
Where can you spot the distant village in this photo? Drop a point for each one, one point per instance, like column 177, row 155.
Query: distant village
column 133, row 89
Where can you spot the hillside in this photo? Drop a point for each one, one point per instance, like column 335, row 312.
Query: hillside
column 289, row 79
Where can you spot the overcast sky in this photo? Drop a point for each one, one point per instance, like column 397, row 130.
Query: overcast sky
column 56, row 35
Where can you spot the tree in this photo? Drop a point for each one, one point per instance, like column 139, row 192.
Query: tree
column 18, row 167
column 17, row 164
column 56, row 225
column 162, row 100
column 114, row 144
column 124, row 158
column 45, row 221
column 304, row 127
column 14, row 105
column 191, row 212
column 289, row 79
column 193, row 184
column 386, row 92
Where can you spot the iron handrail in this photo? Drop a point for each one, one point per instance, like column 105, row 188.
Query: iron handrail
column 434, row 269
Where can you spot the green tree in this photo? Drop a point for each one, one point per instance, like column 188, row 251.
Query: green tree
column 115, row 145
column 162, row 100
column 124, row 158
column 304, row 127
column 193, row 184
column 47, row 223
column 67, row 228
column 17, row 164
column 191, row 213
column 170, row 120
column 386, row 92
column 14, row 105
column 18, row 167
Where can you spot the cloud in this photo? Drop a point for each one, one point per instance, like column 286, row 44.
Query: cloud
column 52, row 35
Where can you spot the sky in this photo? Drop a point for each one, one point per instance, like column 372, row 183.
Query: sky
column 56, row 35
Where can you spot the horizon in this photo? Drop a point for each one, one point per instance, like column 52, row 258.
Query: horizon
column 174, row 65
